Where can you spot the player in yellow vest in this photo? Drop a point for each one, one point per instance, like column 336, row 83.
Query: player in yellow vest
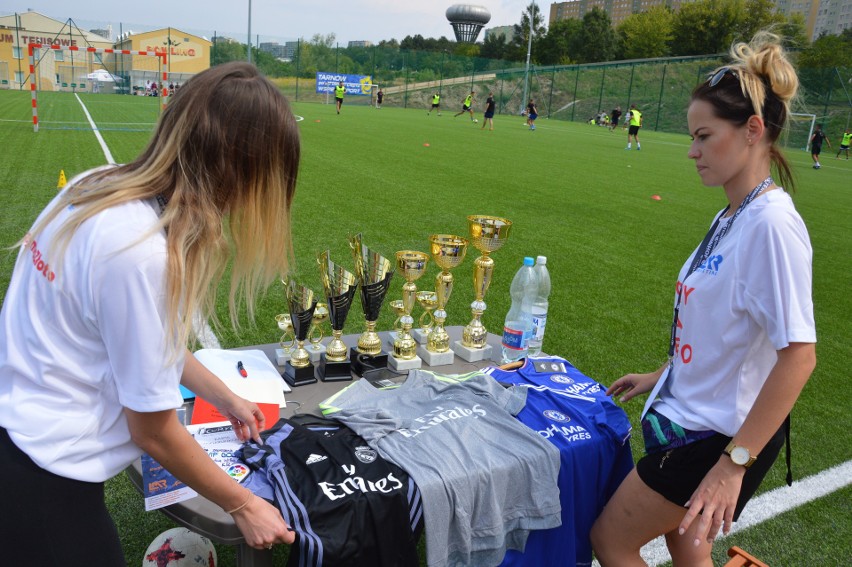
column 339, row 91
column 635, row 119
column 436, row 104
column 467, row 106
column 844, row 144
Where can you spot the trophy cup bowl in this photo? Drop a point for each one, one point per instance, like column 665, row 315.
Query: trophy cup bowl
column 374, row 273
column 398, row 308
column 487, row 233
column 285, row 323
column 339, row 286
column 412, row 265
column 448, row 251
column 301, row 303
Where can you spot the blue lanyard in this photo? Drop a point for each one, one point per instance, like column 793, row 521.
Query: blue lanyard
column 711, row 240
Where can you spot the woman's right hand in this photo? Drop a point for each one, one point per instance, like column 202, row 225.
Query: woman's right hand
column 262, row 525
column 631, row 385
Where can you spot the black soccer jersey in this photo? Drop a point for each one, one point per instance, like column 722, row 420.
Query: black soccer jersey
column 347, row 505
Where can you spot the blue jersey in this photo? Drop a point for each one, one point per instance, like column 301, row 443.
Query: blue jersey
column 573, row 412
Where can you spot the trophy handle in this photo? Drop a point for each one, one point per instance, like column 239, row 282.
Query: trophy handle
column 288, row 345
column 313, row 338
column 427, row 324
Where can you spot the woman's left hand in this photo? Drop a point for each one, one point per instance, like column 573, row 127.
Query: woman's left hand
column 245, row 416
column 714, row 501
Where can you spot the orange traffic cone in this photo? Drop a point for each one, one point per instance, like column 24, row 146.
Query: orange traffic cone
column 62, row 181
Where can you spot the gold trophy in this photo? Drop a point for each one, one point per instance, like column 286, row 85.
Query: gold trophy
column 316, row 334
column 428, row 300
column 447, row 251
column 411, row 264
column 299, row 371
column 487, row 234
column 339, row 286
column 398, row 308
column 374, row 273
column 287, row 340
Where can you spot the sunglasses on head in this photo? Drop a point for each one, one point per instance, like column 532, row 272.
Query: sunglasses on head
column 717, row 76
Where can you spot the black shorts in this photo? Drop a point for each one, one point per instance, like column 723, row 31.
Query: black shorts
column 614, row 122
column 816, row 150
column 436, row 105
column 489, row 114
column 677, row 473
column 465, row 108
column 633, row 130
column 339, row 100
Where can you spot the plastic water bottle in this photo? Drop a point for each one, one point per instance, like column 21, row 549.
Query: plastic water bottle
column 518, row 327
column 539, row 306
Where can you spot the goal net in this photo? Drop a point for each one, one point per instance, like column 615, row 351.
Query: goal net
column 800, row 131
column 96, row 89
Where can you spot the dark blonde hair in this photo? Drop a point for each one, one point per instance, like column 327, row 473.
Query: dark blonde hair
column 225, row 152
column 762, row 82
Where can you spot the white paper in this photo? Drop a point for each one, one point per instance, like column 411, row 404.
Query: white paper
column 263, row 383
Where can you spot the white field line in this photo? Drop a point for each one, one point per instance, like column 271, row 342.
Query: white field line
column 205, row 334
column 767, row 506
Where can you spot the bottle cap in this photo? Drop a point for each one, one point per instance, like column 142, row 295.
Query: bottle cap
column 541, row 260
column 528, row 261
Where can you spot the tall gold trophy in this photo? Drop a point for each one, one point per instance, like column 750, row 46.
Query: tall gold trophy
column 411, row 264
column 448, row 251
column 339, row 286
column 300, row 300
column 374, row 273
column 487, row 234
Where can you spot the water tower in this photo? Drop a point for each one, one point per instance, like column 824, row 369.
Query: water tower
column 467, row 20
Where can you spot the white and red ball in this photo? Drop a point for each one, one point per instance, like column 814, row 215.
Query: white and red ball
column 180, row 547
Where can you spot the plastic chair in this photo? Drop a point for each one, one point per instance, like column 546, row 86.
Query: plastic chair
column 740, row 558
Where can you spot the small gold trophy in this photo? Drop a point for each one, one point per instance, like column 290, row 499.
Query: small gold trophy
column 411, row 264
column 487, row 234
column 374, row 273
column 428, row 300
column 287, row 341
column 447, row 251
column 299, row 371
column 339, row 286
column 398, row 308
column 316, row 334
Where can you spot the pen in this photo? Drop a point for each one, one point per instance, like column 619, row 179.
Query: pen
column 242, row 369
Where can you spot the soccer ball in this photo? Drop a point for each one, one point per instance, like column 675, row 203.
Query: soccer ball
column 475, row 120
column 180, row 547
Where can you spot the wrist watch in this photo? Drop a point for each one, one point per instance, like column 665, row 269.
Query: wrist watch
column 739, row 455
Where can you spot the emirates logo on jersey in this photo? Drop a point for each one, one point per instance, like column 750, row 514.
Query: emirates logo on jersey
column 562, row 379
column 365, row 454
column 554, row 415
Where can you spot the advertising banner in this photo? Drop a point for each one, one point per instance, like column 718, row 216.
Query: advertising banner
column 358, row 85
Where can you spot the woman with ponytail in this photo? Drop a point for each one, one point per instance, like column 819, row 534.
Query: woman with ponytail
column 742, row 341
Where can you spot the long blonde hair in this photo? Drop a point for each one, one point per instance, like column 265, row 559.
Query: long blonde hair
column 226, row 147
column 759, row 81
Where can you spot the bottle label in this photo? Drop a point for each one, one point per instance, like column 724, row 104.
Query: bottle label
column 515, row 339
column 539, row 323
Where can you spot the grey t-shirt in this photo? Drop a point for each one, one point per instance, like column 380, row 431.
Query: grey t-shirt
column 486, row 478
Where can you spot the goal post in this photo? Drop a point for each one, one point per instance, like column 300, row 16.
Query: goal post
column 51, row 70
column 801, row 128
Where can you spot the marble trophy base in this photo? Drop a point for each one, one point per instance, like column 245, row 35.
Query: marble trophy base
column 420, row 336
column 472, row 354
column 403, row 365
column 363, row 362
column 298, row 376
column 316, row 353
column 331, row 371
column 282, row 356
column 435, row 358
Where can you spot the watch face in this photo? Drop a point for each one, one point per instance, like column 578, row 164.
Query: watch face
column 740, row 455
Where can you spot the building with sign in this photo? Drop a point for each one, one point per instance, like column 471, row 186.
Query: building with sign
column 187, row 54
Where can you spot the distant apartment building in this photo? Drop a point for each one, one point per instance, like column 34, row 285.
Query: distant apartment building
column 506, row 32
column 275, row 49
column 361, row 43
column 821, row 16
column 103, row 32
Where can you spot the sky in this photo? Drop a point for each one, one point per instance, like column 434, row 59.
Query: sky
column 348, row 20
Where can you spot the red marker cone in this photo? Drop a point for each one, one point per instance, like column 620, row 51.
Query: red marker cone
column 656, row 197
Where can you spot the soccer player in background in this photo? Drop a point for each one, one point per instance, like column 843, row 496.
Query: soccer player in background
column 339, row 93
column 436, row 104
column 844, row 144
column 634, row 118
column 488, row 117
column 816, row 145
column 467, row 106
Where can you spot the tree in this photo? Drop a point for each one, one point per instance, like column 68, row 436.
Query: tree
column 597, row 39
column 757, row 15
column 521, row 36
column 705, row 27
column 555, row 47
column 828, row 51
column 494, row 47
column 647, row 34
column 793, row 32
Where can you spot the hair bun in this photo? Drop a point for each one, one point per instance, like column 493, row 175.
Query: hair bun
column 765, row 59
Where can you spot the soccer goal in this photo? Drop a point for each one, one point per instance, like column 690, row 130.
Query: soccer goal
column 800, row 131
column 67, row 84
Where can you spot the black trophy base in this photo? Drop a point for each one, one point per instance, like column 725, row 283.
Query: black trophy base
column 334, row 371
column 363, row 362
column 298, row 376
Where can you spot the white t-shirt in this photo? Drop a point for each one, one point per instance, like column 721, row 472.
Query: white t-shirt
column 751, row 298
column 83, row 338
